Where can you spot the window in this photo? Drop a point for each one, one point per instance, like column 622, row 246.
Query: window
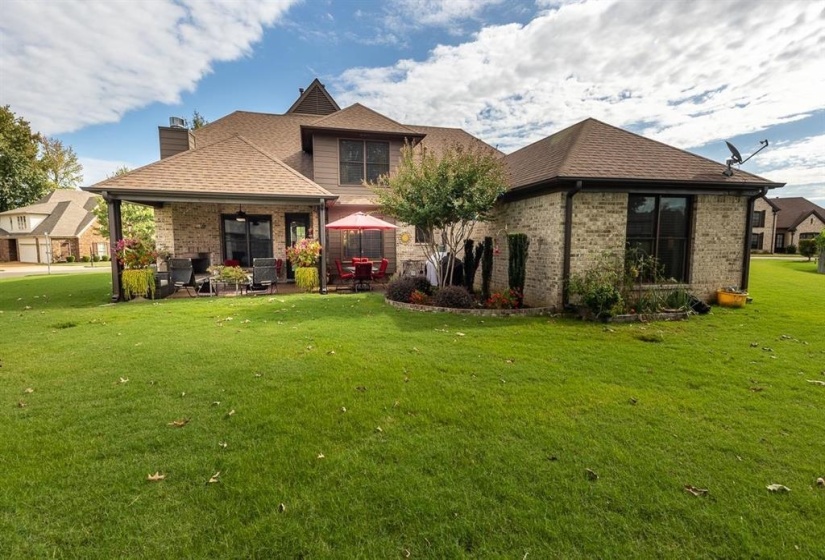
column 360, row 161
column 247, row 240
column 367, row 243
column 757, row 240
column 660, row 226
column 807, row 236
column 100, row 249
column 779, row 241
column 21, row 222
column 421, row 235
column 758, row 218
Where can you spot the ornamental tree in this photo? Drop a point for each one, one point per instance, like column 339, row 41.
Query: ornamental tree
column 444, row 195
column 22, row 179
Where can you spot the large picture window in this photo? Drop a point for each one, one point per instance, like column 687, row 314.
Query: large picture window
column 659, row 226
column 360, row 161
column 366, row 243
column 246, row 240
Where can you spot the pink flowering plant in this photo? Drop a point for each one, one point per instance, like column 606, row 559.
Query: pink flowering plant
column 136, row 253
column 304, row 253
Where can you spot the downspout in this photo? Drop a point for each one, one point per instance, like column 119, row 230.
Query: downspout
column 746, row 258
column 568, row 236
column 322, row 234
column 115, row 235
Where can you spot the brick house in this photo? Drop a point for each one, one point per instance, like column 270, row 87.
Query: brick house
column 785, row 221
column 62, row 218
column 250, row 184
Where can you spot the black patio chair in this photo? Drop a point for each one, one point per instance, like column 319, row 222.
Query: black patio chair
column 182, row 275
column 362, row 276
column 265, row 274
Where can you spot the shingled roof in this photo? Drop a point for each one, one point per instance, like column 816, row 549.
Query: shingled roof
column 794, row 210
column 356, row 118
column 233, row 167
column 68, row 211
column 314, row 100
column 592, row 149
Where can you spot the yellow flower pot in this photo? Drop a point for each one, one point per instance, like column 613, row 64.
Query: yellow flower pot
column 731, row 299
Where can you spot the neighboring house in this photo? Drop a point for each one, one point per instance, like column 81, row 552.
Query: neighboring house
column 797, row 218
column 250, row 184
column 763, row 232
column 63, row 218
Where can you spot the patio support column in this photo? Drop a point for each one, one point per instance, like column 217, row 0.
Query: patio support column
column 322, row 227
column 115, row 235
column 568, row 237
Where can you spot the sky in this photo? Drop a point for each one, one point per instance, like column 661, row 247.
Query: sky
column 103, row 75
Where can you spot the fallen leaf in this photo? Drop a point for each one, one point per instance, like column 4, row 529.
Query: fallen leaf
column 21, row 404
column 179, row 423
column 816, row 382
column 361, row 388
column 183, row 394
column 343, row 409
column 378, row 429
column 122, row 380
column 591, row 475
column 777, row 488
column 633, row 400
column 696, row 491
column 820, row 482
column 282, row 508
column 757, row 389
column 230, row 413
column 331, row 352
column 157, row 477
column 216, row 403
column 508, row 361
column 321, row 456
column 214, row 478
column 754, row 344
column 28, row 390
column 222, row 444
column 460, row 334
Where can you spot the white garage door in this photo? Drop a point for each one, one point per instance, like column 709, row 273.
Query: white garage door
column 27, row 252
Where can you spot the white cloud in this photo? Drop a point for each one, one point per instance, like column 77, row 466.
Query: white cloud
column 66, row 65
column 96, row 170
column 801, row 164
column 685, row 73
column 441, row 13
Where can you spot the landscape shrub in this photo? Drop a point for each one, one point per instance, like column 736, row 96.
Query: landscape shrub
column 401, row 289
column 455, row 297
column 85, row 258
column 420, row 298
column 503, row 300
column 95, row 258
column 807, row 248
column 599, row 287
column 70, row 259
column 104, row 258
column 790, row 249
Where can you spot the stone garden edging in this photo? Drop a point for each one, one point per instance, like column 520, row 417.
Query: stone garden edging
column 527, row 312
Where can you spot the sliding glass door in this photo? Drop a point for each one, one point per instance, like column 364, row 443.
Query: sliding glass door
column 246, row 240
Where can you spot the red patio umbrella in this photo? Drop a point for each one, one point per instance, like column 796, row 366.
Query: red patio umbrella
column 360, row 221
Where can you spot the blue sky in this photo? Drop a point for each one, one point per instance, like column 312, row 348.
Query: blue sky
column 101, row 76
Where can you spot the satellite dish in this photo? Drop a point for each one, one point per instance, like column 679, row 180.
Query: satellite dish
column 736, row 157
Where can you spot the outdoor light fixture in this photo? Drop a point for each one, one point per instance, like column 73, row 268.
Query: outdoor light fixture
column 241, row 215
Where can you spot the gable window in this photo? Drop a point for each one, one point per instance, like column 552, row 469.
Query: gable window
column 757, row 239
column 659, row 226
column 758, row 218
column 21, row 222
column 362, row 161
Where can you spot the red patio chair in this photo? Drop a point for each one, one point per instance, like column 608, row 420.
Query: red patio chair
column 342, row 276
column 363, row 276
column 381, row 273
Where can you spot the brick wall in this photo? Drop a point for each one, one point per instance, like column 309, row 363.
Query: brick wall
column 88, row 240
column 718, row 243
column 184, row 228
column 599, row 226
column 5, row 249
column 811, row 224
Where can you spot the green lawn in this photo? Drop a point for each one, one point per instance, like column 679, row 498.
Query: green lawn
column 442, row 436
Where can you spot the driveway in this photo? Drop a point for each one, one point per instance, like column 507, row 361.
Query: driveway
column 16, row 269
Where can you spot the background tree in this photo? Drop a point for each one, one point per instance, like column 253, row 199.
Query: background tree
column 138, row 221
column 60, row 164
column 22, row 179
column 198, row 121
column 444, row 194
column 807, row 248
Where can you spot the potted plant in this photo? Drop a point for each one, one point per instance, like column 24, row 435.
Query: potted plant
column 304, row 258
column 731, row 296
column 230, row 275
column 136, row 257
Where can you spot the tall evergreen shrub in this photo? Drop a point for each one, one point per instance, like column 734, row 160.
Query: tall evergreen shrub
column 486, row 267
column 517, row 243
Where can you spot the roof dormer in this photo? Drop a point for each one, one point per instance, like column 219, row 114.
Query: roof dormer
column 314, row 100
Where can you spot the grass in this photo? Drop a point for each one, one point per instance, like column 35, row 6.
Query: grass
column 487, row 426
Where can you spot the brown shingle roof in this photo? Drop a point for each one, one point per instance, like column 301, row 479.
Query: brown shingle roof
column 234, row 167
column 592, row 149
column 793, row 210
column 68, row 213
column 439, row 138
column 358, row 117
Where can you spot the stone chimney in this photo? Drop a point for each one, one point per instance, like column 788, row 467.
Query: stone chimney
column 175, row 138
